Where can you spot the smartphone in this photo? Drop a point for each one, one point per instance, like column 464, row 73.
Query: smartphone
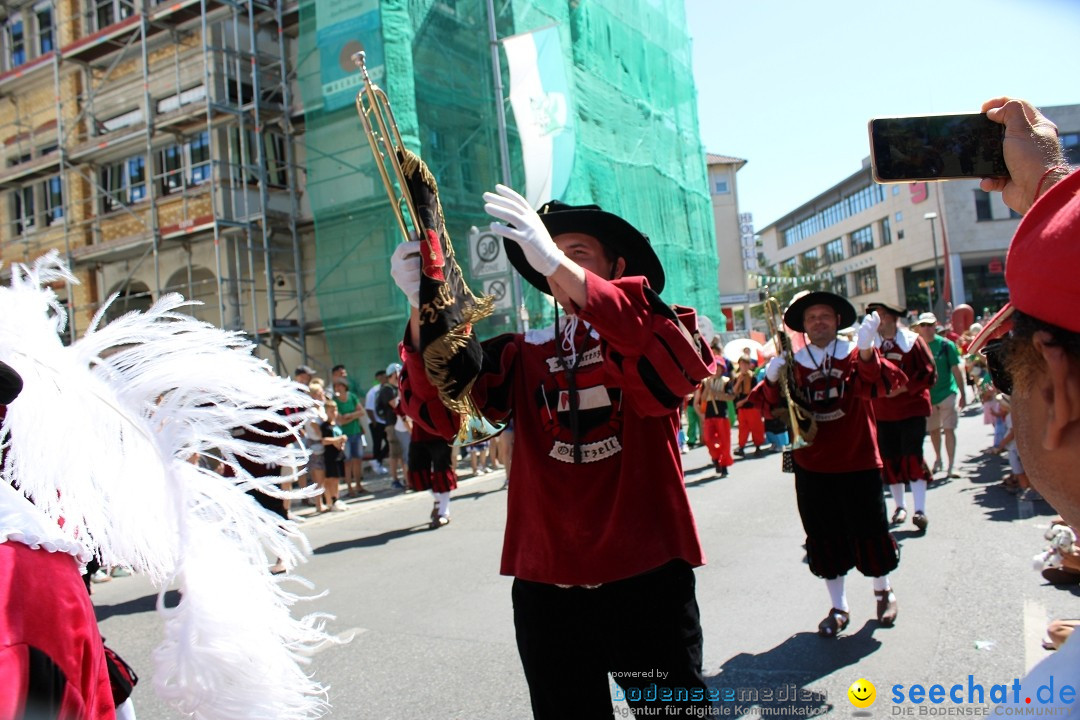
column 936, row 147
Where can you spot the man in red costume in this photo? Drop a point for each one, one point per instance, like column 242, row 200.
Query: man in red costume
column 52, row 660
column 901, row 415
column 838, row 476
column 599, row 535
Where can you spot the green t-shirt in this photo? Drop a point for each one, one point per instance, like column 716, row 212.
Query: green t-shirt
column 946, row 357
column 346, row 406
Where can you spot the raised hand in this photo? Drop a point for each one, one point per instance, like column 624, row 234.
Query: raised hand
column 524, row 227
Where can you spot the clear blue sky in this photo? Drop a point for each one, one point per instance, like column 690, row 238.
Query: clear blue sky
column 789, row 85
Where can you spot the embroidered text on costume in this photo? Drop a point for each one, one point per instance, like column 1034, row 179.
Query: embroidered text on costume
column 589, row 357
column 818, row 375
column 590, row 452
column 826, row 417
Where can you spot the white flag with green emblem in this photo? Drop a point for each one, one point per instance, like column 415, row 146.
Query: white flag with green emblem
column 543, row 109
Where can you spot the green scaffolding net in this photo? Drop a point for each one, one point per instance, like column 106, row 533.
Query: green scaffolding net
column 627, row 139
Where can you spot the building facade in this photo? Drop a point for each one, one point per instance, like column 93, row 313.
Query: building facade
column 735, row 241
column 923, row 245
column 155, row 146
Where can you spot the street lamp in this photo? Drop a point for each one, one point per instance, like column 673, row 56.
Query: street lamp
column 932, row 216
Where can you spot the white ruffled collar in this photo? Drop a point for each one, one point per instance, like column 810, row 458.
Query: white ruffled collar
column 811, row 357
column 542, row 336
column 22, row 522
column 905, row 340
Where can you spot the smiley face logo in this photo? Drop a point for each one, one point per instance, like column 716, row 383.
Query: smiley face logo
column 862, row 693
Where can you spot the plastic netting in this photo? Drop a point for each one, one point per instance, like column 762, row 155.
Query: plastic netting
column 637, row 150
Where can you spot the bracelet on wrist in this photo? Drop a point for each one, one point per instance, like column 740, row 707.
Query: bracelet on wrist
column 1064, row 169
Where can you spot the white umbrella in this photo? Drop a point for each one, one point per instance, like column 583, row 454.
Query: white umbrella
column 734, row 350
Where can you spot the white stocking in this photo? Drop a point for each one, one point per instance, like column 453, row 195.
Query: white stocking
column 918, row 494
column 897, row 490
column 837, row 593
column 444, row 503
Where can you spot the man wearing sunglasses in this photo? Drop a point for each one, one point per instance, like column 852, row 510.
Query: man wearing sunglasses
column 946, row 393
column 1032, row 345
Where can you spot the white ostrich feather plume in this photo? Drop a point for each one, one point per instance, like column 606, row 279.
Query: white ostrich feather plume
column 103, row 435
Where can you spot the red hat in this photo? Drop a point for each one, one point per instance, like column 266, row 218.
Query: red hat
column 1040, row 269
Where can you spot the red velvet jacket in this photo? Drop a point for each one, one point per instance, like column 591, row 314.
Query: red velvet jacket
column 908, row 352
column 622, row 510
column 841, row 388
column 52, row 659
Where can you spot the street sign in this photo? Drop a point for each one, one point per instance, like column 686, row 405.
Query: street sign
column 499, row 290
column 486, row 254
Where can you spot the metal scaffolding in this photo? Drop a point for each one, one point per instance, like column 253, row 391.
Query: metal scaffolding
column 154, row 145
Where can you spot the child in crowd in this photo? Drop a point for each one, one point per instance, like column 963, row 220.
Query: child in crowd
column 1018, row 481
column 994, row 415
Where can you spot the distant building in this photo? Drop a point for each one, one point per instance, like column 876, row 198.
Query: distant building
column 734, row 239
column 887, row 242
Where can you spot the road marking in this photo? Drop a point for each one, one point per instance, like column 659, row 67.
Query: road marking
column 1034, row 631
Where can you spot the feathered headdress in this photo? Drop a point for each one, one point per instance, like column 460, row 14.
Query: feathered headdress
column 99, row 450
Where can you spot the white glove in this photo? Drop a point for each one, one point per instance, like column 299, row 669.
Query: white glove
column 528, row 229
column 868, row 331
column 772, row 370
column 405, row 269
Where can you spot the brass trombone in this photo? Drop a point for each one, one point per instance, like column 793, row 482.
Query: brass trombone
column 801, row 423
column 382, row 133
column 383, row 136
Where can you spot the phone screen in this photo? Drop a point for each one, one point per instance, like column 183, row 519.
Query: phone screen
column 936, row 147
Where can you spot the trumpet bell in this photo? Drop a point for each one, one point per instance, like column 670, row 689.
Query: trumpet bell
column 383, row 135
column 478, row 429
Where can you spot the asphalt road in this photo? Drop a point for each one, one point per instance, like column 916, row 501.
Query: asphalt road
column 434, row 635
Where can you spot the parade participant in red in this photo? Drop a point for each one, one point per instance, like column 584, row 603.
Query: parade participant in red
column 599, row 535
column 751, row 423
column 713, row 398
column 47, row 669
column 838, row 476
column 431, row 467
column 901, row 415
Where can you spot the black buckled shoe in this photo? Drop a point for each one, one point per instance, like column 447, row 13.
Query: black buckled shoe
column 887, row 608
column 834, row 623
column 920, row 520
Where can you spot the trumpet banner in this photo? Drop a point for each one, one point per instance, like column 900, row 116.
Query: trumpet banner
column 448, row 308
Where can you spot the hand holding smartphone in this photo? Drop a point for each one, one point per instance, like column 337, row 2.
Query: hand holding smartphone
column 936, row 147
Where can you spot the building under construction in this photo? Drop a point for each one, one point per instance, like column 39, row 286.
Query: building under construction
column 212, row 148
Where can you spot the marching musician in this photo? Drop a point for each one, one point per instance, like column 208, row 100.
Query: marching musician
column 838, row 476
column 751, row 423
column 600, row 537
column 713, row 398
column 901, row 415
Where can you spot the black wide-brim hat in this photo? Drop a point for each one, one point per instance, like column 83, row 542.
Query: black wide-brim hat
column 894, row 309
column 614, row 233
column 793, row 316
column 10, row 383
